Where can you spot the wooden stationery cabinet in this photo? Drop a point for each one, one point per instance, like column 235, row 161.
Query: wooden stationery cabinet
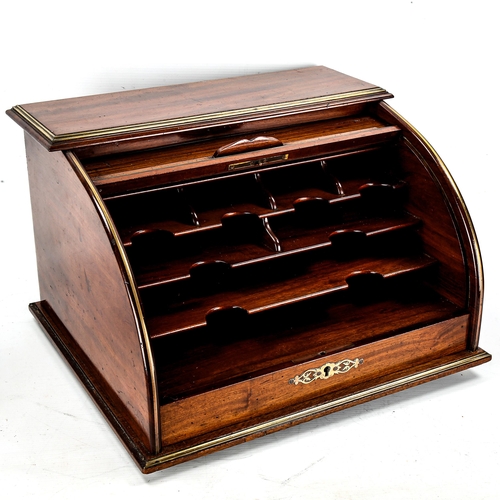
column 224, row 259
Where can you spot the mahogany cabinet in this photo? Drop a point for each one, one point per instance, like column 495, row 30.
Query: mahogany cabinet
column 224, row 259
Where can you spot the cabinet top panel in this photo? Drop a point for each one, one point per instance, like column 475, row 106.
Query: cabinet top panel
column 91, row 120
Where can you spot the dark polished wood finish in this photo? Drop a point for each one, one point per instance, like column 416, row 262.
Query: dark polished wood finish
column 83, row 281
column 157, row 111
column 224, row 259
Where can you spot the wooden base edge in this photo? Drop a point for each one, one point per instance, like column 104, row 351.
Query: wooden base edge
column 419, row 375
column 150, row 463
column 59, row 336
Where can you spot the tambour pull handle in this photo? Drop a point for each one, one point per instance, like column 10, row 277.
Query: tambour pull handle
column 247, row 145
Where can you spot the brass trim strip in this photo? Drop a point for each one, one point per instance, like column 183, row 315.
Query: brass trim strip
column 131, row 289
column 309, row 412
column 257, row 163
column 151, row 126
column 37, row 125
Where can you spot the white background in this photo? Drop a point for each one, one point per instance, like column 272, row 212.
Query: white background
column 440, row 59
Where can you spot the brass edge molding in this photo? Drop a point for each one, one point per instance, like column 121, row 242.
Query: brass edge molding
column 131, row 290
column 151, row 126
column 37, row 125
column 326, row 371
column 473, row 236
column 309, row 412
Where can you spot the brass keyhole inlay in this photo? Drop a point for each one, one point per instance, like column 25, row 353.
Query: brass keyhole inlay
column 326, row 371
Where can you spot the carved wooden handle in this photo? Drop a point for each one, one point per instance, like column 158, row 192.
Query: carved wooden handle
column 247, row 145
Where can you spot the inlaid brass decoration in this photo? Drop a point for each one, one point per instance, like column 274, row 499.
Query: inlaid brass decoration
column 327, row 100
column 257, row 163
column 326, row 371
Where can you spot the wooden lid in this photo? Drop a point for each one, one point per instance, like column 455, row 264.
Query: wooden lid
column 92, row 120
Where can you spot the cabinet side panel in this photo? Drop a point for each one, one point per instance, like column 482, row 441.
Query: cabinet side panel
column 81, row 279
column 438, row 232
column 463, row 265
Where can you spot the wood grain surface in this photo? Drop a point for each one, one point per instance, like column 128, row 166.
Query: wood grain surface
column 80, row 277
column 200, row 246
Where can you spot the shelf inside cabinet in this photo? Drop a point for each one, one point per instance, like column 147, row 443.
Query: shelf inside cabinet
column 191, row 364
column 274, row 238
column 281, row 285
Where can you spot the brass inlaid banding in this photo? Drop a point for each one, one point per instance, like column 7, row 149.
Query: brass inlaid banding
column 257, row 163
column 189, row 120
